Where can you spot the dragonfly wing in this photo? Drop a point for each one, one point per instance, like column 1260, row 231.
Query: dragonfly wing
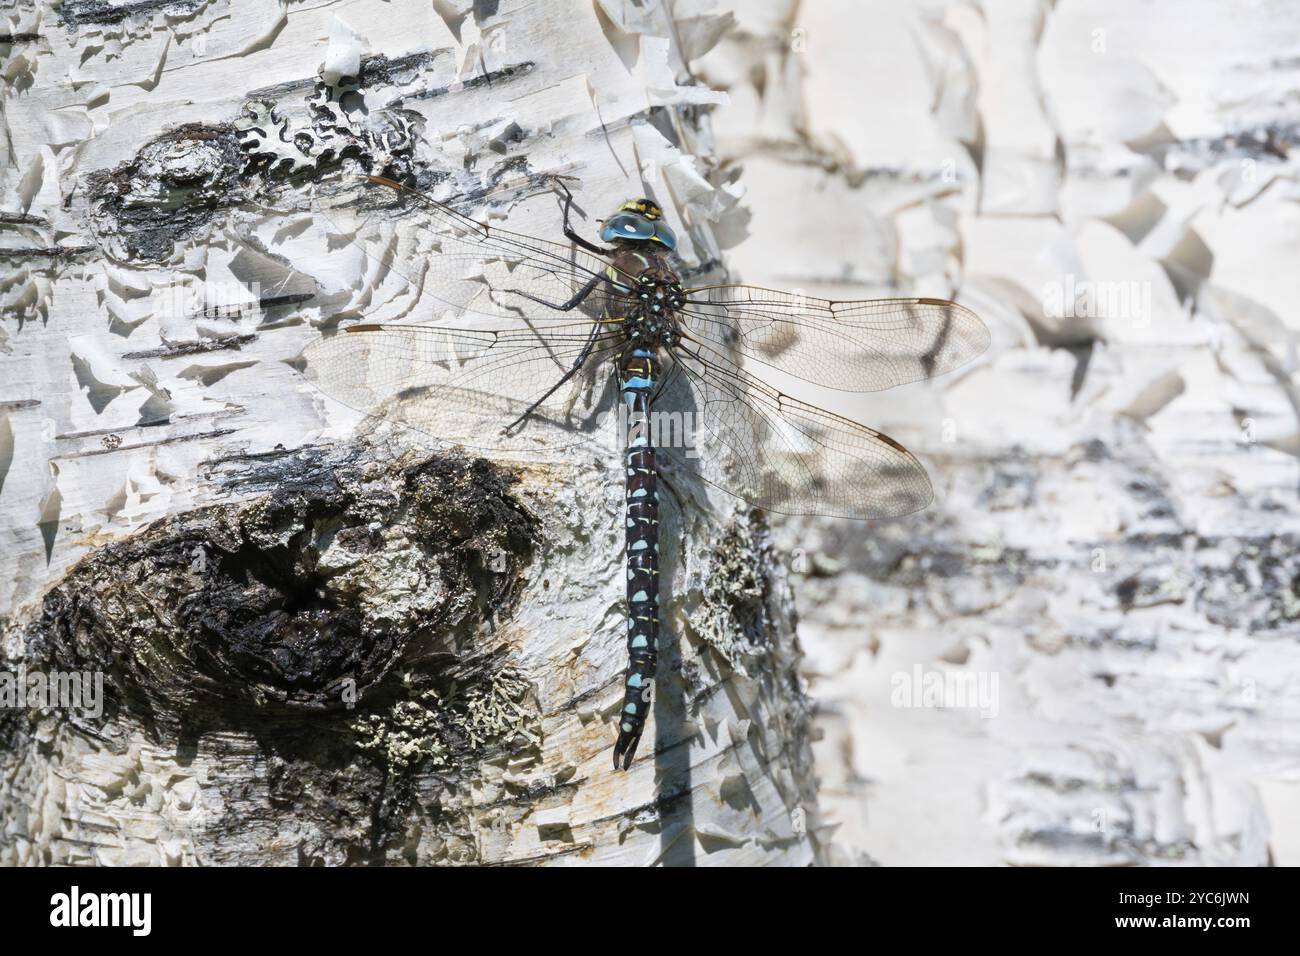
column 465, row 386
column 460, row 266
column 781, row 454
column 856, row 346
column 506, row 328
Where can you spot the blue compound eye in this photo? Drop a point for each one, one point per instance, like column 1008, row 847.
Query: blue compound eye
column 665, row 235
column 627, row 225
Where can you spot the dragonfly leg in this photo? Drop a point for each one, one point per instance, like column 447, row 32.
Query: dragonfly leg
column 573, row 370
column 573, row 303
column 571, row 234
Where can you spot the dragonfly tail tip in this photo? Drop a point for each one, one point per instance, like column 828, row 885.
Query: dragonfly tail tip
column 625, row 749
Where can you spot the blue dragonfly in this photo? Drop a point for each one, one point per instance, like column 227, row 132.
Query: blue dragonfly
column 524, row 344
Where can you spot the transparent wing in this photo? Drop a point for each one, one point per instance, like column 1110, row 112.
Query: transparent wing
column 507, row 328
column 856, row 346
column 781, row 454
column 468, row 386
column 468, row 269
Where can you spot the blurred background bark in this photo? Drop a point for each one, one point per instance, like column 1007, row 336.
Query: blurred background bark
column 1112, row 186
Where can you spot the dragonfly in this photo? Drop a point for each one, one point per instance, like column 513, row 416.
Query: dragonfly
column 535, row 340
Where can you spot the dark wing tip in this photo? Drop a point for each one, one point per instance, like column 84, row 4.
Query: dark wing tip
column 385, row 181
column 897, row 446
column 363, row 327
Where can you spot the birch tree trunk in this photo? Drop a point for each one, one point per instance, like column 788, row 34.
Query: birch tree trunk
column 322, row 640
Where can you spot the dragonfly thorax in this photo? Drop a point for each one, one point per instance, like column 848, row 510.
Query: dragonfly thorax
column 653, row 319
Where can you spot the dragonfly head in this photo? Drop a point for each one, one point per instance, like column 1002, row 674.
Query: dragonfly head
column 639, row 220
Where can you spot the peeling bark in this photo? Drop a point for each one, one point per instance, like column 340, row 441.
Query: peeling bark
column 324, row 640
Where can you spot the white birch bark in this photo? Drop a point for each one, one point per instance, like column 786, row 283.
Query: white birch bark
column 149, row 459
column 1112, row 187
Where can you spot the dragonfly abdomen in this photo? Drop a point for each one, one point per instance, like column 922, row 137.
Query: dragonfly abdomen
column 638, row 372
